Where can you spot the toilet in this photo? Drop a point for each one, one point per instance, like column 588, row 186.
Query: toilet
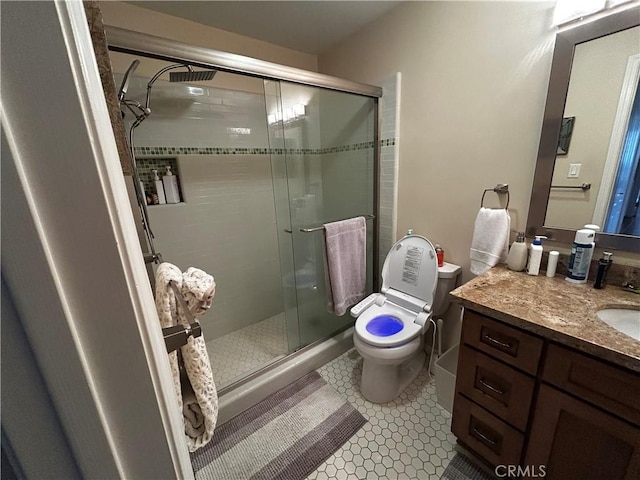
column 390, row 325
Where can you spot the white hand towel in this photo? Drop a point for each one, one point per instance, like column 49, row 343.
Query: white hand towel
column 200, row 406
column 490, row 243
column 346, row 260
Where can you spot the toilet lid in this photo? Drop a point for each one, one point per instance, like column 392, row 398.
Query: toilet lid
column 387, row 326
column 411, row 267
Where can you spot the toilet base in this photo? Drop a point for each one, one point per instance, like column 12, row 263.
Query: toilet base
column 382, row 383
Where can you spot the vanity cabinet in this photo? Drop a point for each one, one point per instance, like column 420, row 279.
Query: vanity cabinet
column 576, row 440
column 523, row 400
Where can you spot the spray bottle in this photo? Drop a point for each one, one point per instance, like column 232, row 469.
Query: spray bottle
column 581, row 254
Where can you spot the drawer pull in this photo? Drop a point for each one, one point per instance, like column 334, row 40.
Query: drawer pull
column 483, row 437
column 497, row 342
column 490, row 387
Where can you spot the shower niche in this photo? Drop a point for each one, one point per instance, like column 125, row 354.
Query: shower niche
column 259, row 162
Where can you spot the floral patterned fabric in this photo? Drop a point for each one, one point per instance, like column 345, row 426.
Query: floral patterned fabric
column 196, row 390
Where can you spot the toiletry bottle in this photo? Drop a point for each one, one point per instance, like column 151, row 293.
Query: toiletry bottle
column 440, row 255
column 518, row 253
column 159, row 188
column 581, row 253
column 603, row 267
column 535, row 256
column 552, row 263
column 410, row 232
column 170, row 182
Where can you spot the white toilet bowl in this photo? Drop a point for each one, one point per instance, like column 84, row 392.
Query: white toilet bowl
column 390, row 325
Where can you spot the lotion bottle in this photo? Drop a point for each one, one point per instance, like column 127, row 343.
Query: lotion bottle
column 535, row 256
column 159, row 188
column 581, row 254
column 517, row 258
column 170, row 182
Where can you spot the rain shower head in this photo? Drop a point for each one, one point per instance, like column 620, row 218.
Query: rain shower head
column 192, row 76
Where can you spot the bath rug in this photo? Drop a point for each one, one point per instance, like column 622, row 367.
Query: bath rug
column 461, row 468
column 286, row 436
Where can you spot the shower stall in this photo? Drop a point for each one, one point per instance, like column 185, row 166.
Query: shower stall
column 264, row 155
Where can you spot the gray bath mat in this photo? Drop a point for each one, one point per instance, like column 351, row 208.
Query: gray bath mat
column 286, row 436
column 461, row 468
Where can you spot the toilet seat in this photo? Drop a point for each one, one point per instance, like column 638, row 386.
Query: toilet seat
column 409, row 331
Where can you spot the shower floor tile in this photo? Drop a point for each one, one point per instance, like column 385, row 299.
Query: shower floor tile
column 408, row 438
column 239, row 353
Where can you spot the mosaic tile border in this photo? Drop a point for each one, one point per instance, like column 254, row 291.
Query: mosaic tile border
column 149, row 151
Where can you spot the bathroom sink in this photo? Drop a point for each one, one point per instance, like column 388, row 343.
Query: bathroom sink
column 625, row 320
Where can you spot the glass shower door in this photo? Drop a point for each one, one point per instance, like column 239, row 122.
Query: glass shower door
column 323, row 163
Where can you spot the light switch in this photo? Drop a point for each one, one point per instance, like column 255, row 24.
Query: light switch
column 574, row 170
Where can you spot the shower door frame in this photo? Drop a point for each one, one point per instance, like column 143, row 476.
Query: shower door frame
column 135, row 43
column 151, row 46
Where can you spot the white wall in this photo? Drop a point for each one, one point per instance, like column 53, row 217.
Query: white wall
column 474, row 82
column 123, row 15
column 474, row 79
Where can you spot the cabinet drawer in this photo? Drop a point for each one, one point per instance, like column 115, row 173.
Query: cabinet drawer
column 491, row 438
column 502, row 390
column 512, row 346
column 611, row 388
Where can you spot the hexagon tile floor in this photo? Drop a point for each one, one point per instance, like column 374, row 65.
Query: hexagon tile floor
column 244, row 351
column 409, row 438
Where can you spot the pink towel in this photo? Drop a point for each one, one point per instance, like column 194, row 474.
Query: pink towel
column 346, row 263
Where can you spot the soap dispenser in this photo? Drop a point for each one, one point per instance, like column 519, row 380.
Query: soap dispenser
column 170, row 182
column 159, row 188
column 517, row 258
column 535, row 256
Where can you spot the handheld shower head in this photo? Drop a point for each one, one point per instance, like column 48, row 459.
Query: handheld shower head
column 124, row 86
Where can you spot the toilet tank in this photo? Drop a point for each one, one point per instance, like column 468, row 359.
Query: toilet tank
column 447, row 280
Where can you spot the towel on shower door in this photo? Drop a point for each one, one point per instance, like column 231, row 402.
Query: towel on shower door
column 490, row 243
column 196, row 393
column 346, row 263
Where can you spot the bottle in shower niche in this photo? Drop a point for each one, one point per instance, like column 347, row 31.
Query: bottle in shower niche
column 170, row 182
column 157, row 183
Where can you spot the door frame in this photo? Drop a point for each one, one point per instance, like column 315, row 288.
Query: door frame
column 616, row 143
column 71, row 260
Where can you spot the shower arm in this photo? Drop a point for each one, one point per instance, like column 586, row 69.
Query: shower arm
column 157, row 75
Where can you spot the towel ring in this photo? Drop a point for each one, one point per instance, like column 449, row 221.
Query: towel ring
column 500, row 189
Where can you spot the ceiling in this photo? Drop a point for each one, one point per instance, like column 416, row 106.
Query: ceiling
column 306, row 26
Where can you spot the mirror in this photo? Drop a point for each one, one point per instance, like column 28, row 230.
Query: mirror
column 592, row 104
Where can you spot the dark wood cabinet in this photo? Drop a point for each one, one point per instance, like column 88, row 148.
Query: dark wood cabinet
column 526, row 401
column 573, row 439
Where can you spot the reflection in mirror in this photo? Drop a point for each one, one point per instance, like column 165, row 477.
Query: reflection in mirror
column 594, row 80
column 596, row 99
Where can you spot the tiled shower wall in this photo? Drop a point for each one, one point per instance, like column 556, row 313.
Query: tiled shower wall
column 389, row 108
column 226, row 224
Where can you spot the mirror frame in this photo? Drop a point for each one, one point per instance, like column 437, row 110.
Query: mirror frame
column 552, row 123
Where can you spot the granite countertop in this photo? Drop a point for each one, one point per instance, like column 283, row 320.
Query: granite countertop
column 555, row 309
